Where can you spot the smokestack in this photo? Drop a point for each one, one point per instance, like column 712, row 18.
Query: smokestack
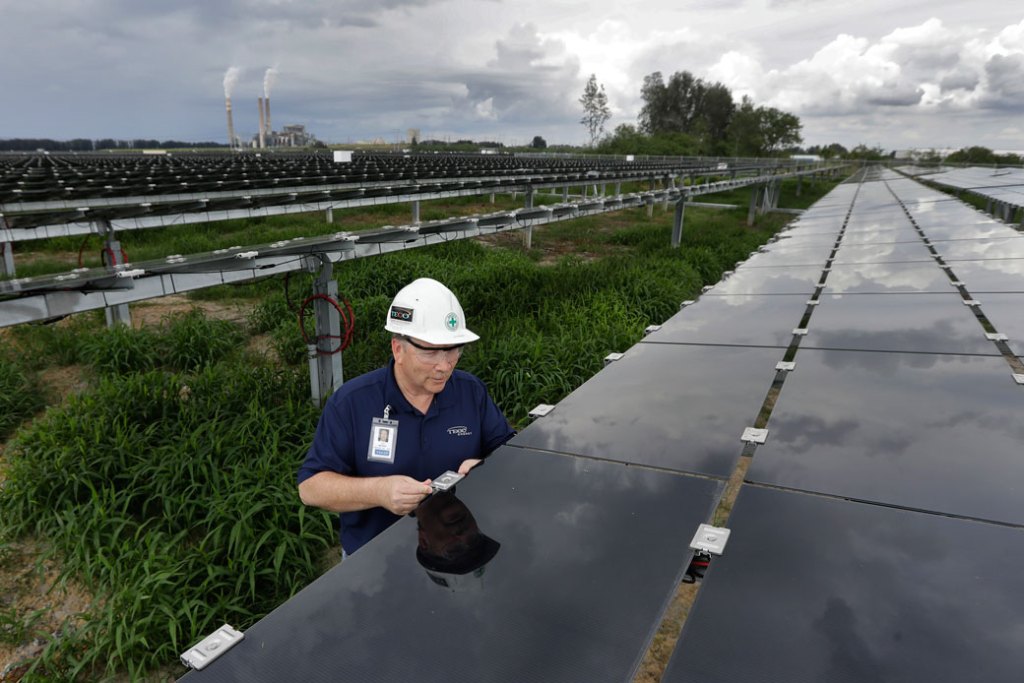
column 231, row 124
column 262, row 124
column 266, row 105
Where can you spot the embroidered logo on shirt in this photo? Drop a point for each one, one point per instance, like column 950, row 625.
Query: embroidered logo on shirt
column 461, row 430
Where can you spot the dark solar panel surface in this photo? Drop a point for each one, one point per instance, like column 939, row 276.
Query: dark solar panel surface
column 672, row 406
column 935, row 323
column 1006, row 313
column 932, row 432
column 887, row 278
column 820, row 590
column 590, row 553
column 735, row 319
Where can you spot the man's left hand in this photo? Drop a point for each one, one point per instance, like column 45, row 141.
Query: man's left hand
column 467, row 465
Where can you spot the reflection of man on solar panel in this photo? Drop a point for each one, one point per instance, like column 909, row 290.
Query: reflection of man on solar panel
column 451, row 547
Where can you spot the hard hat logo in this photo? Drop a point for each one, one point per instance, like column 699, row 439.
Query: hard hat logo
column 452, row 322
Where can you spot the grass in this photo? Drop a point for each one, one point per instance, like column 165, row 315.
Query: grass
column 167, row 487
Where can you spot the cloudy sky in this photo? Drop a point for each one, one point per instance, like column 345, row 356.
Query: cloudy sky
column 889, row 73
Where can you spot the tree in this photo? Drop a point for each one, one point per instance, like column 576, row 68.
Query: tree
column 762, row 131
column 686, row 104
column 539, row 142
column 779, row 129
column 595, row 109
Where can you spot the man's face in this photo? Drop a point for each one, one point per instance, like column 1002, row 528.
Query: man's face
column 422, row 366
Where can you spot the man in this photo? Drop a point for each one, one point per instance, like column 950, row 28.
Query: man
column 383, row 436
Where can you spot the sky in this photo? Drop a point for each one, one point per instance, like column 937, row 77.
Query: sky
column 895, row 74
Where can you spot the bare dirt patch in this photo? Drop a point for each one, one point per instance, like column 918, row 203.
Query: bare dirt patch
column 31, row 589
column 153, row 311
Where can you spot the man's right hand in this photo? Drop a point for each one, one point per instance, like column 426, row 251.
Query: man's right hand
column 401, row 494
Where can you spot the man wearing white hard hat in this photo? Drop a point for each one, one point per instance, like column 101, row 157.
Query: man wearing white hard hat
column 383, row 436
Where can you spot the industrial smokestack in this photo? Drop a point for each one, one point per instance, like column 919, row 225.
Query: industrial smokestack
column 263, row 129
column 231, row 124
column 269, row 76
column 230, row 78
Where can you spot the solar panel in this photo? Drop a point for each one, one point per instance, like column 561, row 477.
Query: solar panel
column 974, row 250
column 1006, row 313
column 887, row 278
column 740, row 319
column 992, row 275
column 567, row 566
column 814, row 589
column 882, row 253
column 931, row 432
column 753, row 278
column 935, row 323
column 672, row 406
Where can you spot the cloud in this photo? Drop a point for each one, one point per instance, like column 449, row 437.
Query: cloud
column 1004, row 83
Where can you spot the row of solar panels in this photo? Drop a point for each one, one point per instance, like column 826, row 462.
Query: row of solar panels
column 878, row 534
column 67, row 219
column 1004, row 185
column 144, row 175
column 49, row 296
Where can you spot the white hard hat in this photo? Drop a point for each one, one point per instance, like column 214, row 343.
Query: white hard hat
column 427, row 310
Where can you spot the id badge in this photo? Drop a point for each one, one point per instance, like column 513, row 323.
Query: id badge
column 383, row 440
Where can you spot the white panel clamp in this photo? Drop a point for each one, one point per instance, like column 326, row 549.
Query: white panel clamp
column 686, row 303
column 612, row 357
column 956, row 283
column 541, row 410
column 710, row 539
column 971, row 302
column 753, row 435
column 1019, row 379
column 651, row 328
column 211, row 647
column 800, row 332
column 813, row 302
column 996, row 336
column 786, row 365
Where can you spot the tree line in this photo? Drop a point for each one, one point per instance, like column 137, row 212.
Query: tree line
column 87, row 145
column 690, row 116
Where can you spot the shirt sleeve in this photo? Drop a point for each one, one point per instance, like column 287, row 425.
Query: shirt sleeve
column 496, row 429
column 333, row 447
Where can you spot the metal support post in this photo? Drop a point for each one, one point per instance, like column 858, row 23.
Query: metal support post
column 330, row 214
column 799, row 185
column 7, row 262
column 618, row 188
column 677, row 222
column 492, row 198
column 565, row 193
column 113, row 257
column 649, row 201
column 325, row 371
column 529, row 198
column 604, row 189
column 755, row 196
column 416, row 212
column 528, row 237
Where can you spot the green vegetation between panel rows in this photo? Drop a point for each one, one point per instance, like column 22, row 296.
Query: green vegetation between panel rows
column 166, row 486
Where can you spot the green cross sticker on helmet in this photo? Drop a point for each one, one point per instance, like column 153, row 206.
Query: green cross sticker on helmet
column 452, row 321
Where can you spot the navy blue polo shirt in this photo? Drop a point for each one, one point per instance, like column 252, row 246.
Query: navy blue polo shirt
column 461, row 423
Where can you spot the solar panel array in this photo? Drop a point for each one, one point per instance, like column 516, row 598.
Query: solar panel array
column 1003, row 188
column 46, row 297
column 54, row 196
column 878, row 534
